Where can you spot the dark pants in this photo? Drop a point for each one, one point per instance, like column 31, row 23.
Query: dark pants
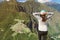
column 42, row 35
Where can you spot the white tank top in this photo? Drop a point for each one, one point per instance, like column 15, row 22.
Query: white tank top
column 42, row 26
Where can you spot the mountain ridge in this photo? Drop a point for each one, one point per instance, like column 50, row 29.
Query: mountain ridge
column 8, row 13
column 53, row 5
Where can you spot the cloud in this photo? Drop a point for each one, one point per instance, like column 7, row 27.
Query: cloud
column 43, row 1
column 7, row 0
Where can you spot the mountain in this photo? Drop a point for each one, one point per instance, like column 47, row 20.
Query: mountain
column 9, row 11
column 54, row 5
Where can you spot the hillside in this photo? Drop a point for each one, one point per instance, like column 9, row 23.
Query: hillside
column 54, row 5
column 8, row 13
column 54, row 23
column 11, row 11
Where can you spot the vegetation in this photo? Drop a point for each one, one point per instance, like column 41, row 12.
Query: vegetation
column 23, row 11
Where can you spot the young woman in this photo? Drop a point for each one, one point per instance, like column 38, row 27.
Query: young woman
column 42, row 18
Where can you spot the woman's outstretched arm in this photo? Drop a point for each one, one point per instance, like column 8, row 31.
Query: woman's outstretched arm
column 49, row 15
column 36, row 15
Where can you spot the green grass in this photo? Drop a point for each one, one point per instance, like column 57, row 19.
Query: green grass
column 6, row 23
column 8, row 13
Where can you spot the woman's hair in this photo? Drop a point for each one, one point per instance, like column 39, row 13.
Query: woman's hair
column 44, row 17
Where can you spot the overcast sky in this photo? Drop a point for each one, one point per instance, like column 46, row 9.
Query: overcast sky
column 41, row 1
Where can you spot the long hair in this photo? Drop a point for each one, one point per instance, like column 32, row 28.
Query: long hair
column 44, row 17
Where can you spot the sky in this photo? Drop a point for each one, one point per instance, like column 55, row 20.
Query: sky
column 57, row 1
column 43, row 1
column 21, row 0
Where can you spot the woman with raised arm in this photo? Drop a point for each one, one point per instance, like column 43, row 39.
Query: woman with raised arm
column 42, row 18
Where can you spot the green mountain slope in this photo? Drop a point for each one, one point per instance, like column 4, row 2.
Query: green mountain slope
column 54, row 23
column 11, row 11
column 32, row 6
column 8, row 13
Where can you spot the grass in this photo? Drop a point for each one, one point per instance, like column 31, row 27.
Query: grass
column 6, row 23
column 8, row 13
